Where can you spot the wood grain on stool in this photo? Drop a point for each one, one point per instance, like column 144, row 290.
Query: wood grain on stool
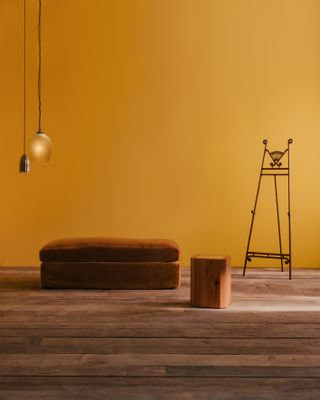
column 210, row 281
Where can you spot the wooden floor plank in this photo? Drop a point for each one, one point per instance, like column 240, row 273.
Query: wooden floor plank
column 83, row 361
column 158, row 345
column 227, row 330
column 159, row 388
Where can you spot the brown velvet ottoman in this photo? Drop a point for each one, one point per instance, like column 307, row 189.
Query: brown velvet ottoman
column 108, row 263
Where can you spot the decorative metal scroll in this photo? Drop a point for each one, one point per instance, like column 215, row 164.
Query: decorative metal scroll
column 276, row 164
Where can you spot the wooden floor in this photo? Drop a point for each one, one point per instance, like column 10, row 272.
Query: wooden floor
column 152, row 345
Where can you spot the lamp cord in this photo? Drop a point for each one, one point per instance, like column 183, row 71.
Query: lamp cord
column 39, row 70
column 24, row 78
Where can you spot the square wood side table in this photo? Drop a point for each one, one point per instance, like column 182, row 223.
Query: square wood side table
column 210, row 281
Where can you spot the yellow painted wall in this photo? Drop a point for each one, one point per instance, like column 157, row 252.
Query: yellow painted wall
column 157, row 110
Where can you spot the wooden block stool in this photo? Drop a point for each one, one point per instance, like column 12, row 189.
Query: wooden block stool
column 210, row 281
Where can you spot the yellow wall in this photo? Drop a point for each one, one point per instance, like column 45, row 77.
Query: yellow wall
column 157, row 110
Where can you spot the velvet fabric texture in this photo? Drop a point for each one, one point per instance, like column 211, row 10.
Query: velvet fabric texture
column 109, row 263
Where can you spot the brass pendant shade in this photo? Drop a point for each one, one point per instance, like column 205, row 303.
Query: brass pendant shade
column 40, row 147
column 40, row 144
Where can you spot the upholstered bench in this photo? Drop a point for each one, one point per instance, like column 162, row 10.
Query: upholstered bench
column 107, row 263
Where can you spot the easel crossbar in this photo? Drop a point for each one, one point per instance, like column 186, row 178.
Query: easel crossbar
column 276, row 174
column 277, row 256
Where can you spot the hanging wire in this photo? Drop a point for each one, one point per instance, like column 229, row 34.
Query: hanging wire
column 24, row 77
column 39, row 70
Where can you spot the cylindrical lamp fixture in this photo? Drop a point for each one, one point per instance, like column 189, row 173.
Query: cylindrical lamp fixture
column 24, row 165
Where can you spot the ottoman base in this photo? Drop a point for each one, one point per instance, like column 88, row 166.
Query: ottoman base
column 110, row 275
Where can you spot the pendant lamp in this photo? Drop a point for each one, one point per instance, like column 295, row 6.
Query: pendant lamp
column 40, row 145
column 24, row 166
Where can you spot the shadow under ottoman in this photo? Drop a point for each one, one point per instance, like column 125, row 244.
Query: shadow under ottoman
column 109, row 263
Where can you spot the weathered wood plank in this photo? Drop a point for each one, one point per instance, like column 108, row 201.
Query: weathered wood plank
column 96, row 320
column 157, row 366
column 158, row 345
column 159, row 388
column 160, row 360
column 173, row 330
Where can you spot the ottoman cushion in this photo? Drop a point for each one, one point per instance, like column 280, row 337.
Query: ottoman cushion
column 110, row 249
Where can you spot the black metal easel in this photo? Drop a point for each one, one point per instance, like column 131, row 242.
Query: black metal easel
column 275, row 169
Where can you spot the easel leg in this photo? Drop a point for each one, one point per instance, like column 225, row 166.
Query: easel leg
column 253, row 212
column 278, row 219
